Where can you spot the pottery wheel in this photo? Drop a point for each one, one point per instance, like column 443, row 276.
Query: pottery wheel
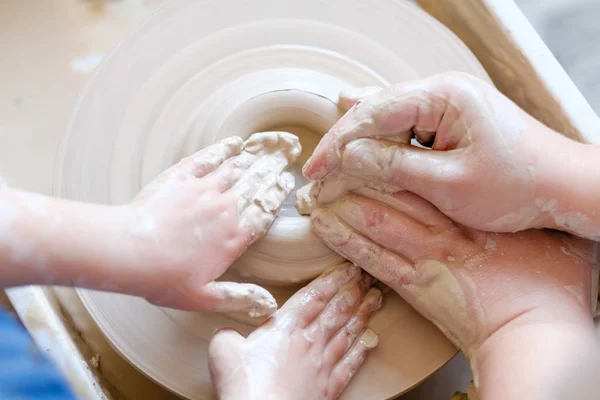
column 199, row 71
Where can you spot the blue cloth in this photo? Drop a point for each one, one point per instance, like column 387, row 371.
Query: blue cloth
column 25, row 372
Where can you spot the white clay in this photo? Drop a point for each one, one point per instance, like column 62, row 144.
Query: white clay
column 328, row 319
column 306, row 198
column 521, row 219
column 319, row 193
column 456, row 313
column 309, row 337
column 574, row 222
column 258, row 215
column 238, row 296
column 263, row 186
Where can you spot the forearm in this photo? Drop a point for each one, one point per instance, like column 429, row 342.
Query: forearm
column 51, row 241
column 568, row 195
column 541, row 361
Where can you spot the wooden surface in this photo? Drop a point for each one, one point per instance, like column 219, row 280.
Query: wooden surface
column 519, row 63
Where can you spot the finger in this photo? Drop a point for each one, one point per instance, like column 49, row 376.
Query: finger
column 230, row 172
column 383, row 225
column 223, row 353
column 390, row 268
column 304, row 306
column 273, row 142
column 420, row 107
column 320, row 193
column 274, row 151
column 345, row 370
column 260, row 213
column 235, row 297
column 339, row 183
column 411, row 205
column 339, row 310
column 208, row 159
column 306, row 198
column 263, row 173
column 350, row 97
column 399, row 165
column 343, row 340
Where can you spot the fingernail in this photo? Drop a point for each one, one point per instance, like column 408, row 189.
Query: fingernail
column 305, row 166
column 375, row 296
column 254, row 300
column 234, row 141
column 369, row 339
column 306, row 199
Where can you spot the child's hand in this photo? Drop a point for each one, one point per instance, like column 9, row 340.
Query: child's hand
column 194, row 220
column 309, row 349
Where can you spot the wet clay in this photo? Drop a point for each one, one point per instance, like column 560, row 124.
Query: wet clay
column 268, row 153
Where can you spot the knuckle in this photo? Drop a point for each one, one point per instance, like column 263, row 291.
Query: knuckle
column 219, row 339
column 338, row 382
column 457, row 83
column 319, row 297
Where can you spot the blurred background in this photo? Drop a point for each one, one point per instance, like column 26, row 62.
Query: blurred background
column 571, row 30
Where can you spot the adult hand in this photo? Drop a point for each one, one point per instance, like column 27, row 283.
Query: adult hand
column 193, row 221
column 309, row 349
column 491, row 166
column 474, row 286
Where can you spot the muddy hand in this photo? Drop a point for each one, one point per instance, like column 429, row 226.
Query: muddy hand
column 309, row 349
column 200, row 215
column 491, row 166
column 468, row 283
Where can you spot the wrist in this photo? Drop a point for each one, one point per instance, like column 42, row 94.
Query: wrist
column 98, row 255
column 534, row 356
column 133, row 252
column 568, row 187
column 91, row 247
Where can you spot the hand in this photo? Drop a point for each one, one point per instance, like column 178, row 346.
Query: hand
column 469, row 283
column 491, row 166
column 193, row 221
column 309, row 349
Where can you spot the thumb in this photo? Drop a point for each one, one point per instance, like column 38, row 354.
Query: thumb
column 398, row 165
column 230, row 297
column 350, row 97
column 224, row 353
